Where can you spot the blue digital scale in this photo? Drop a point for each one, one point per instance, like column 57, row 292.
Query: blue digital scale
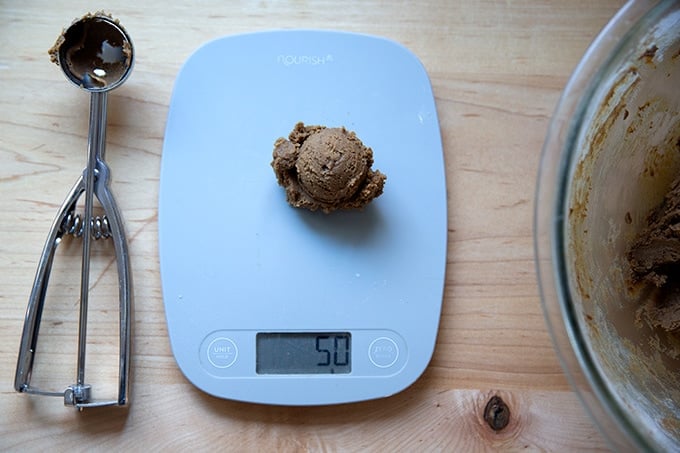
column 267, row 303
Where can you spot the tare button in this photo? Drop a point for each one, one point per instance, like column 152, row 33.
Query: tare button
column 383, row 352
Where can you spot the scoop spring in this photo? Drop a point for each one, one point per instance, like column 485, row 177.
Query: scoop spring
column 73, row 224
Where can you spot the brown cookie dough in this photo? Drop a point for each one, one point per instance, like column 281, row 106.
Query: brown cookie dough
column 654, row 258
column 326, row 168
column 93, row 53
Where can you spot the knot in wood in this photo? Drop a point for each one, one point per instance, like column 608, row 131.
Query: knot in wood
column 497, row 413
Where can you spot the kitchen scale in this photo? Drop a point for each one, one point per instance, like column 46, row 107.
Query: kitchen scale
column 267, row 303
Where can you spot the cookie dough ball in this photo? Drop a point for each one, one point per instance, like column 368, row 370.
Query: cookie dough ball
column 326, row 168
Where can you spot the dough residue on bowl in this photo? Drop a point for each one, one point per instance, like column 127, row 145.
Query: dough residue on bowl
column 654, row 258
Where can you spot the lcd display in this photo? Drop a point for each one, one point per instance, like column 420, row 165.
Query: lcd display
column 304, row 353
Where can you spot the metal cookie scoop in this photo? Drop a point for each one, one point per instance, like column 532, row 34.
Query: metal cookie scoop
column 96, row 54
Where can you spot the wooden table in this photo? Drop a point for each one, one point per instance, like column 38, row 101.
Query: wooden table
column 497, row 69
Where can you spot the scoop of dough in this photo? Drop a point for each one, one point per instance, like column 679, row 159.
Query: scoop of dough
column 326, row 168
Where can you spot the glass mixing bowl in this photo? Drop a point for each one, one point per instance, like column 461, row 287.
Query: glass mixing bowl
column 611, row 153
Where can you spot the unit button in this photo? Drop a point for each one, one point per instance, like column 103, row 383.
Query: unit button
column 222, row 352
column 383, row 352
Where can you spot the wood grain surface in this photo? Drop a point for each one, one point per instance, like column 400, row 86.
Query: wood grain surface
column 497, row 70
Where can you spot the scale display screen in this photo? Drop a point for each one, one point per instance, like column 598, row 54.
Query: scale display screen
column 304, row 353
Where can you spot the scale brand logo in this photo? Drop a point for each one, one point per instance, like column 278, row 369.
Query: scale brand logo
column 309, row 60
